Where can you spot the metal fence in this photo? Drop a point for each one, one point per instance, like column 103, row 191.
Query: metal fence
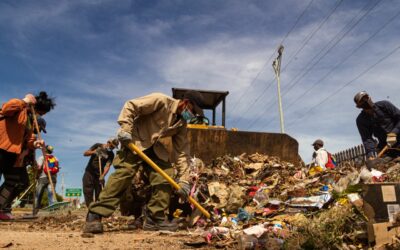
column 353, row 154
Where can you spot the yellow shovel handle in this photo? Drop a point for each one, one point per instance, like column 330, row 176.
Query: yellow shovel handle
column 175, row 185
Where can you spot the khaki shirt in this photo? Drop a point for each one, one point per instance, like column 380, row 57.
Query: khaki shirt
column 152, row 121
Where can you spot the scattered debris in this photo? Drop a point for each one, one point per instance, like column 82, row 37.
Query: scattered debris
column 258, row 201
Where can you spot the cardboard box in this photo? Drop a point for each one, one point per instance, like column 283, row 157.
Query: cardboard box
column 382, row 233
column 381, row 201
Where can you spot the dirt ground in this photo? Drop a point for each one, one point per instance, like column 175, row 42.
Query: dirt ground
column 63, row 230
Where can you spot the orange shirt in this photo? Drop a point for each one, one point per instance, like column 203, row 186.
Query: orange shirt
column 14, row 133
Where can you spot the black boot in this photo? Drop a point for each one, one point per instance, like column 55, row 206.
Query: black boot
column 136, row 224
column 165, row 225
column 93, row 224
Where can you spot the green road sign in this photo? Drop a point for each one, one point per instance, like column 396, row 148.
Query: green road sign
column 73, row 192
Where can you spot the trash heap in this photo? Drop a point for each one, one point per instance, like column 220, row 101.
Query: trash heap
column 260, row 202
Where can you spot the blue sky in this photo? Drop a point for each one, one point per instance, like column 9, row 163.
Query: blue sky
column 94, row 55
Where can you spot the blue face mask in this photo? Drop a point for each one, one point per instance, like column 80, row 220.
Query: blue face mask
column 187, row 115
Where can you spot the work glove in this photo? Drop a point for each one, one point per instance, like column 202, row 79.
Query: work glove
column 391, row 139
column 38, row 144
column 101, row 178
column 184, row 191
column 124, row 137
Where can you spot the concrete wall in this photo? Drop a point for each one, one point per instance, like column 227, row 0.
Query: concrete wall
column 208, row 144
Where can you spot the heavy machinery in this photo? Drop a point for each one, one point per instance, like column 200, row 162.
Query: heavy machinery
column 208, row 142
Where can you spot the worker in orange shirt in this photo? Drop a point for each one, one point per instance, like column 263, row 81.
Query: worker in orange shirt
column 17, row 138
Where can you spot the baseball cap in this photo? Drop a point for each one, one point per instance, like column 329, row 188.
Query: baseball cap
column 358, row 97
column 318, row 142
column 196, row 99
column 49, row 149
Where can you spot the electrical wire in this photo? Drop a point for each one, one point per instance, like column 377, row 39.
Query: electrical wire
column 269, row 59
column 346, row 58
column 340, row 63
column 290, row 86
column 315, row 31
column 345, row 85
column 309, row 37
column 306, row 41
column 334, row 45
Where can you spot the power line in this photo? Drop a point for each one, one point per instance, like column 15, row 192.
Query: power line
column 334, row 45
column 309, row 37
column 346, row 84
column 347, row 57
column 290, row 86
column 269, row 59
column 315, row 31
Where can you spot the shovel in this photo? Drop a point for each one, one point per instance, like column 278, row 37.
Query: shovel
column 44, row 154
column 383, row 151
column 100, row 172
column 372, row 163
column 175, row 185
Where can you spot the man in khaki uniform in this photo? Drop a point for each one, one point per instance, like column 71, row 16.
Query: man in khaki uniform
column 149, row 122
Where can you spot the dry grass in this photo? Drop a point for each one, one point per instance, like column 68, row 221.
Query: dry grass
column 324, row 231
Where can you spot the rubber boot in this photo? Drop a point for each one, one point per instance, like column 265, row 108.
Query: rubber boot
column 93, row 224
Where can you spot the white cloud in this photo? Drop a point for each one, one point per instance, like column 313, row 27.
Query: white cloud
column 138, row 53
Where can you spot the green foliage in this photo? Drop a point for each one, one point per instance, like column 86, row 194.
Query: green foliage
column 350, row 189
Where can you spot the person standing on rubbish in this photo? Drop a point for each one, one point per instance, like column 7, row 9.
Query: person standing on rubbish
column 43, row 181
column 320, row 155
column 16, row 140
column 380, row 120
column 322, row 159
column 151, row 122
column 101, row 157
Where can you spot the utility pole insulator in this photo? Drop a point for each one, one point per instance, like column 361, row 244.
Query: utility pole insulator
column 280, row 50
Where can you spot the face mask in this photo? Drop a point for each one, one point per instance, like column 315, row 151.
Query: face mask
column 187, row 115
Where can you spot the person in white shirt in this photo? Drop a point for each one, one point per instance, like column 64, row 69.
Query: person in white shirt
column 43, row 181
column 320, row 155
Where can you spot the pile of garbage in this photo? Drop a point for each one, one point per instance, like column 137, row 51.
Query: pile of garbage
column 260, row 202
